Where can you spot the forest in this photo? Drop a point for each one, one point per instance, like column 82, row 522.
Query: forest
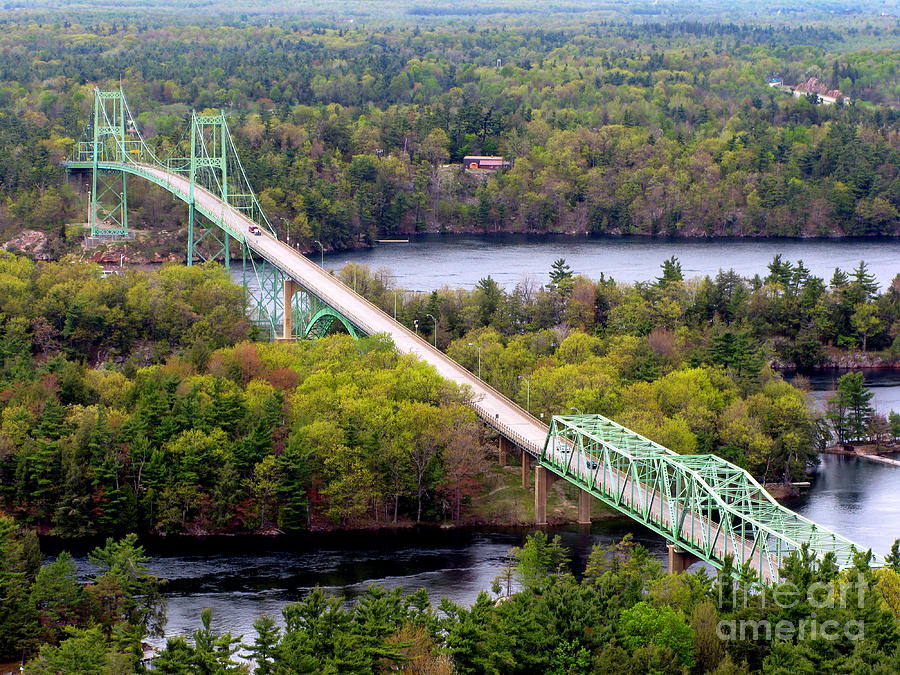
column 348, row 133
column 143, row 403
column 618, row 337
column 138, row 402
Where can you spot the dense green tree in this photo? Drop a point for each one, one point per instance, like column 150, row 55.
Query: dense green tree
column 538, row 559
column 263, row 648
column 643, row 625
column 849, row 409
column 58, row 598
column 736, row 350
column 85, row 651
column 124, row 589
column 561, row 276
column 671, row 272
column 210, row 654
column 489, row 294
column 19, row 563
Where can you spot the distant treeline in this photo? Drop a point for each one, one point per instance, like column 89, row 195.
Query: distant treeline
column 420, row 10
column 346, row 134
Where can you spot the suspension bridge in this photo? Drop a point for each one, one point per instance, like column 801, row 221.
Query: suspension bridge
column 705, row 507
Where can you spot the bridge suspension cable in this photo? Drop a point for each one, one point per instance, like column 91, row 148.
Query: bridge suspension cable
column 113, row 148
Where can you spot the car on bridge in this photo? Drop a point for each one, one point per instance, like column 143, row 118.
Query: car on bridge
column 592, row 464
column 254, row 230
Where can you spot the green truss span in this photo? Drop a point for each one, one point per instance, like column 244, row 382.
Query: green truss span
column 701, row 503
column 204, row 161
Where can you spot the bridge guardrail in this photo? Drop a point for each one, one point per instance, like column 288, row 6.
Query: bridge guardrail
column 506, row 430
column 150, row 172
column 423, row 343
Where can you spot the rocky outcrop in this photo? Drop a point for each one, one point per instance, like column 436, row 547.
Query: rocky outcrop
column 31, row 242
column 839, row 359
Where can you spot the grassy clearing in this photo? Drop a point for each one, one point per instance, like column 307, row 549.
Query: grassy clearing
column 503, row 501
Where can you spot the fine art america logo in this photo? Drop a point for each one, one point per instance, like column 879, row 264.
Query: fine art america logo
column 786, row 595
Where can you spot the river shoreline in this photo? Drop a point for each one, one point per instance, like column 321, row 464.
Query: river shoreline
column 144, row 248
column 537, row 235
column 308, row 539
column 277, row 539
column 53, row 544
column 842, row 360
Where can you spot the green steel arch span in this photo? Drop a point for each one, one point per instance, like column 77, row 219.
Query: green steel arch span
column 320, row 323
column 700, row 503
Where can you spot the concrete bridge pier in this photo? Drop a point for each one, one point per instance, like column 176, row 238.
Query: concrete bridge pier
column 543, row 481
column 290, row 288
column 679, row 560
column 504, row 445
column 584, row 507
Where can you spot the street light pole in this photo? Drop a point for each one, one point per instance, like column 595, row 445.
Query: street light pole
column 576, row 410
column 435, row 329
column 527, row 392
column 316, row 241
column 395, row 305
column 478, row 347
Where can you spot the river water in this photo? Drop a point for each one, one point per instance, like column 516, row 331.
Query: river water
column 884, row 384
column 428, row 262
column 242, row 578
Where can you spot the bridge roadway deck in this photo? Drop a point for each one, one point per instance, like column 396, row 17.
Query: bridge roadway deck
column 492, row 407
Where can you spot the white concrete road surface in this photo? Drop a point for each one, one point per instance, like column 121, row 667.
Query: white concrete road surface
column 493, row 407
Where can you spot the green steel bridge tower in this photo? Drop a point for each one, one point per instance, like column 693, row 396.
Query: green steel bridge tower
column 203, row 163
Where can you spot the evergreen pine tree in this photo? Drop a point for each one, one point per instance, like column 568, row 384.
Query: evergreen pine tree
column 560, row 274
column 862, row 284
column 671, row 272
column 849, row 409
column 72, row 517
column 263, row 648
column 227, row 491
column 294, row 466
column 839, row 280
column 892, row 560
column 53, row 419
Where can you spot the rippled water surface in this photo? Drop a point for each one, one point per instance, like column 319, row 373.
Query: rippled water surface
column 242, row 578
column 432, row 261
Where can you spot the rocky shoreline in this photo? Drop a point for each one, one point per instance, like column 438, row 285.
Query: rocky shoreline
column 143, row 246
column 852, row 450
column 843, row 360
